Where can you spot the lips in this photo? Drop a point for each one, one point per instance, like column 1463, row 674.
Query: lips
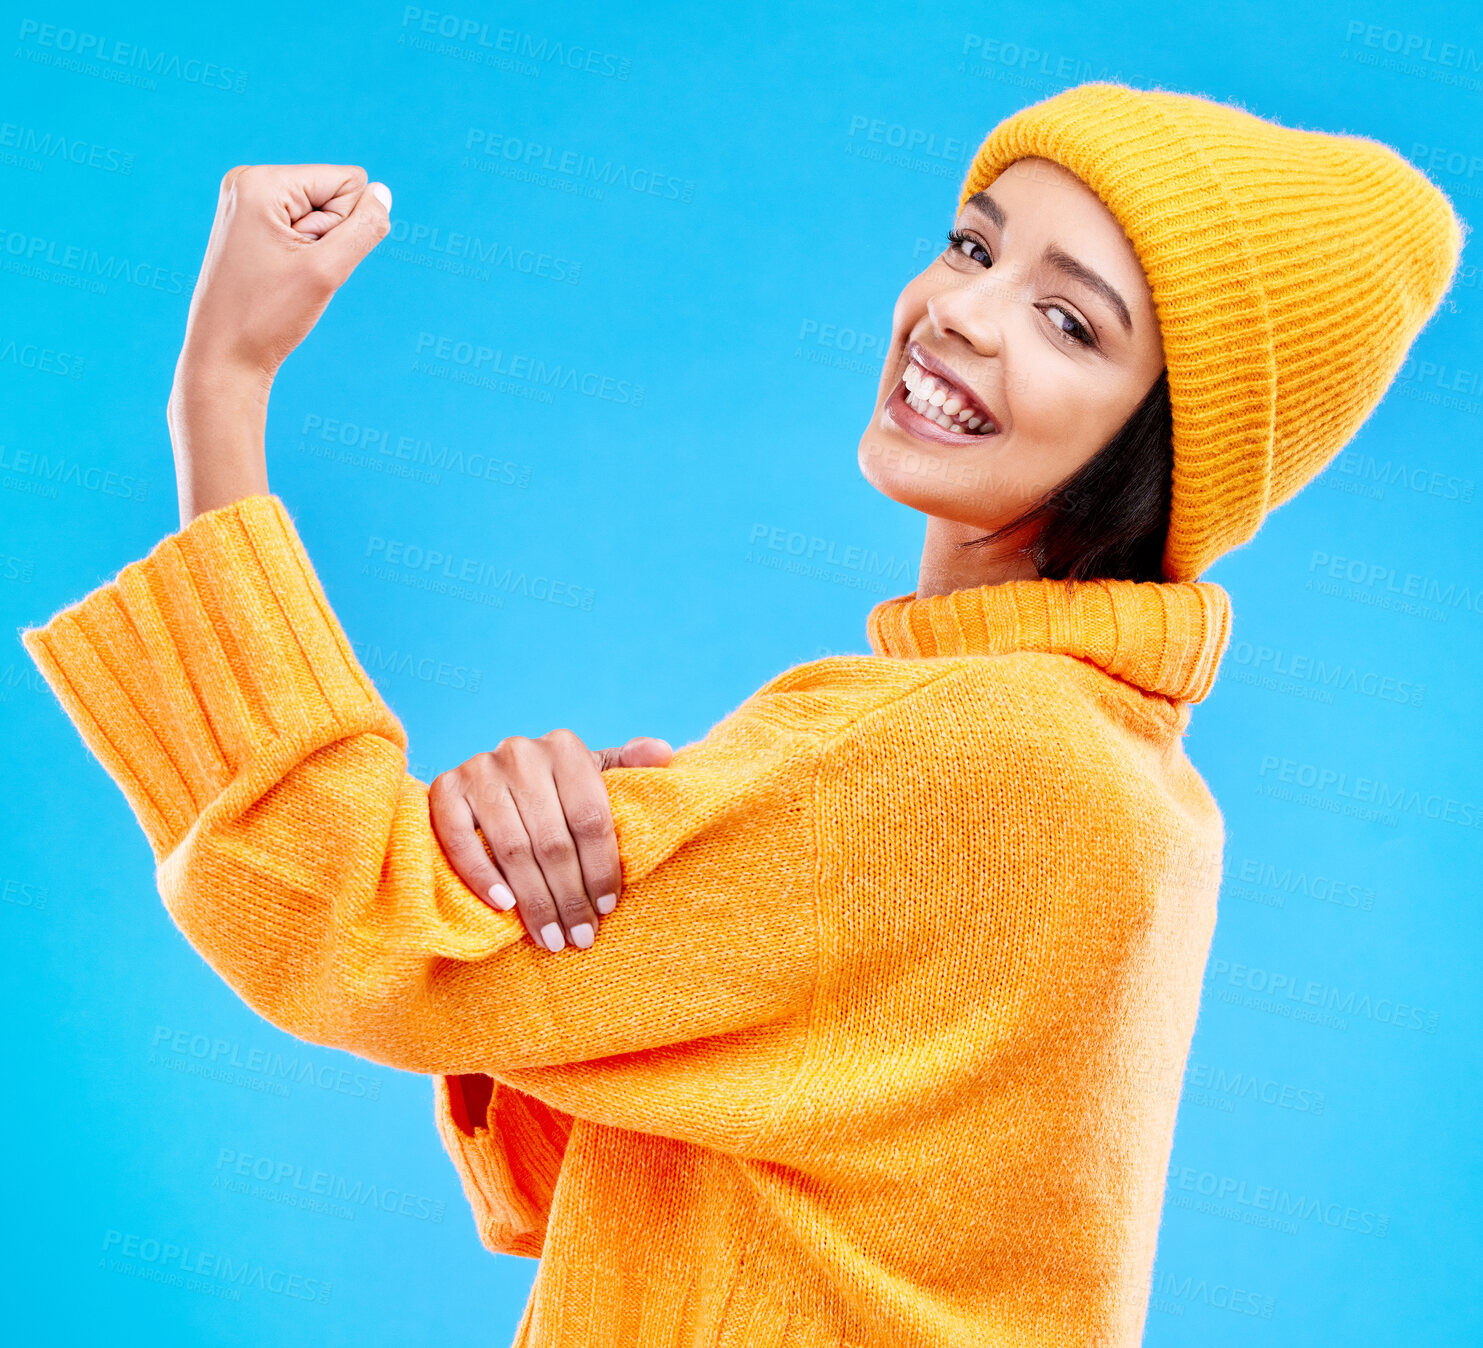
column 923, row 419
column 936, row 393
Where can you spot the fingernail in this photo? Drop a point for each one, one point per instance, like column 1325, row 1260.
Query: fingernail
column 582, row 934
column 501, row 897
column 606, row 903
column 551, row 935
column 382, row 193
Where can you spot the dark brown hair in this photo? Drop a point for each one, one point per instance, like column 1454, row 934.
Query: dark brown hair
column 1109, row 519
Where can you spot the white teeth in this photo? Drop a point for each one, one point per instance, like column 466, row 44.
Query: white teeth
column 941, row 404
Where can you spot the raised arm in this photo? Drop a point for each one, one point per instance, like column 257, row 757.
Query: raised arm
column 215, row 685
column 285, row 238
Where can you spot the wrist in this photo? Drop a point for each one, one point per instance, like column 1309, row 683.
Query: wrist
column 202, row 378
column 218, row 417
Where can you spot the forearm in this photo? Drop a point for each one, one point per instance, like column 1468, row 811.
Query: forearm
column 214, row 683
column 359, row 938
column 218, row 419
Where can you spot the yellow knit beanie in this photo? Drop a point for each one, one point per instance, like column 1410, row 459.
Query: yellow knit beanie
column 1291, row 271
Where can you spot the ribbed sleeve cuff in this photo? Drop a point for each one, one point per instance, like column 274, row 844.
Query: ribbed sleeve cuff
column 192, row 658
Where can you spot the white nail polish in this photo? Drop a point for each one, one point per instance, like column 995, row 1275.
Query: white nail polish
column 501, row 897
column 606, row 903
column 551, row 935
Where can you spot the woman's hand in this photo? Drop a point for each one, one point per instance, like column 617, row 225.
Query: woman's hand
column 285, row 238
column 543, row 810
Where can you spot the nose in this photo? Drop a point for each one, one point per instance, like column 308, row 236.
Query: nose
column 973, row 308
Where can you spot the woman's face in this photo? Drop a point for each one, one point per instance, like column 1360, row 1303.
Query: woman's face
column 1039, row 325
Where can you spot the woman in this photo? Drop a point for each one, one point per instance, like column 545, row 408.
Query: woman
column 883, row 1044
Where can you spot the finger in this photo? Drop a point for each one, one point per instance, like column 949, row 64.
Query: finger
column 643, row 751
column 646, row 751
column 230, row 177
column 367, row 224
column 589, row 820
column 330, row 190
column 453, row 822
column 514, row 853
column 339, row 208
column 540, row 804
column 310, row 198
column 318, row 222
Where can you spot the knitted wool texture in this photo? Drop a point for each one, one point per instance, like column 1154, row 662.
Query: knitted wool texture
column 883, row 1044
column 1291, row 271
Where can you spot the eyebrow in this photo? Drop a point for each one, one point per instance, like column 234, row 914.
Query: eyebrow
column 1062, row 261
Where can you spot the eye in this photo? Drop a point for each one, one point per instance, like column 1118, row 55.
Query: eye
column 1072, row 328
column 956, row 240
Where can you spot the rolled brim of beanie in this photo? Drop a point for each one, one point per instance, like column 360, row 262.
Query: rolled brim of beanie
column 1290, row 271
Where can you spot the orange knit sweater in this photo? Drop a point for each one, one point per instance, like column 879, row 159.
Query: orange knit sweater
column 883, row 1045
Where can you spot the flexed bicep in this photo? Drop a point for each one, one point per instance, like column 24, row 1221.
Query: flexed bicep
column 298, row 854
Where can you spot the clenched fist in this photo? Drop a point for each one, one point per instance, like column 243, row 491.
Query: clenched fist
column 285, row 238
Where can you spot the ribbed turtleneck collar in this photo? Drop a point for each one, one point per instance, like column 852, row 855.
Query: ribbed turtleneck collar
column 1165, row 637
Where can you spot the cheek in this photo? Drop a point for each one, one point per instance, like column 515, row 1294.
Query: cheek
column 1051, row 396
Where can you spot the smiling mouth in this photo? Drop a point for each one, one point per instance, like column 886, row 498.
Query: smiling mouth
column 950, row 405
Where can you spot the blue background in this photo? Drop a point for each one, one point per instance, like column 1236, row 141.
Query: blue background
column 796, row 223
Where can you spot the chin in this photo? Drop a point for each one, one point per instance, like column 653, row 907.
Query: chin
column 886, row 468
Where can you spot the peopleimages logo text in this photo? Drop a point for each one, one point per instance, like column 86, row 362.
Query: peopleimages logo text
column 1277, row 984
column 1382, row 578
column 89, row 262
column 109, row 51
column 324, row 1184
column 532, row 154
column 531, row 370
column 222, row 1056
column 236, row 1273
column 412, row 560
column 1274, row 1199
column 1372, row 791
column 513, row 42
column 27, row 140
